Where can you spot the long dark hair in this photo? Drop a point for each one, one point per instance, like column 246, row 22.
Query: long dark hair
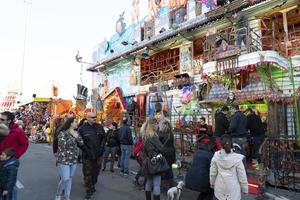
column 67, row 124
column 226, row 143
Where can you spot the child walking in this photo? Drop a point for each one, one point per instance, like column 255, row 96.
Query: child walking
column 8, row 173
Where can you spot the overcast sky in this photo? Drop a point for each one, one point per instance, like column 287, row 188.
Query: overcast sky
column 56, row 29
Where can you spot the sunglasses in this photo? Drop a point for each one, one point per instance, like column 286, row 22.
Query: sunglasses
column 93, row 117
column 2, row 120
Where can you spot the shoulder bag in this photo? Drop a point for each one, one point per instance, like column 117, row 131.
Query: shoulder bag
column 157, row 164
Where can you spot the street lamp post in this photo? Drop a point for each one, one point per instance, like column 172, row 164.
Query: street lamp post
column 27, row 4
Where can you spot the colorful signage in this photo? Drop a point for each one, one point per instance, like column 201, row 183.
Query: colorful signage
column 186, row 58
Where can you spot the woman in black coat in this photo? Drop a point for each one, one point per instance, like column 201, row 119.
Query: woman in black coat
column 197, row 178
column 152, row 147
column 166, row 137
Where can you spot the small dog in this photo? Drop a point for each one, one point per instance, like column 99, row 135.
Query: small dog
column 174, row 193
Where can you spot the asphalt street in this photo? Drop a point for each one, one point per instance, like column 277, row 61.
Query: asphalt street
column 38, row 175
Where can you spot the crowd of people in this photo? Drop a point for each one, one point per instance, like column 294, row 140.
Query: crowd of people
column 217, row 171
column 35, row 120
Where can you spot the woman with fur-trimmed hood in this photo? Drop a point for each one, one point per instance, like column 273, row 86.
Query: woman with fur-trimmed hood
column 166, row 137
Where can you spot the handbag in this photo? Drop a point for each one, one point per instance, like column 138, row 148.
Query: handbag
column 157, row 164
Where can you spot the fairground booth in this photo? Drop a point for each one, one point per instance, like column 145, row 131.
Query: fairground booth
column 190, row 58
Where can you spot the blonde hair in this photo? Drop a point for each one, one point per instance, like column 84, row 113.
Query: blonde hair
column 147, row 130
column 165, row 126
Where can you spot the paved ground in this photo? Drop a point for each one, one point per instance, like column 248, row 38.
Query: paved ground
column 39, row 177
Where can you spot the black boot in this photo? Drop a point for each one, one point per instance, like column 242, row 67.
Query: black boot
column 156, row 197
column 148, row 195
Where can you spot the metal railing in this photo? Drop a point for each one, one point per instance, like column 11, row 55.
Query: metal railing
column 264, row 36
column 281, row 162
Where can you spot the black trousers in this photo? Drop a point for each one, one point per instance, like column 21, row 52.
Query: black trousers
column 91, row 171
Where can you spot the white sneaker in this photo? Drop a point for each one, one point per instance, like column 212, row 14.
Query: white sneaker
column 58, row 197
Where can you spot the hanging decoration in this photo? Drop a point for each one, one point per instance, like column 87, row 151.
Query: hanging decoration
column 187, row 93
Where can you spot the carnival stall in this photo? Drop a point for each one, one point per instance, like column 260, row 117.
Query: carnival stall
column 187, row 59
column 38, row 115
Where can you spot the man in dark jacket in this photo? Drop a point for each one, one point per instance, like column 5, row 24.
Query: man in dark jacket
column 126, row 142
column 255, row 126
column 238, row 128
column 94, row 138
column 112, row 142
column 16, row 139
column 197, row 177
column 222, row 122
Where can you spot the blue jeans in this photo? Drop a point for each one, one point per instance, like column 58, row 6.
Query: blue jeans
column 125, row 156
column 241, row 38
column 14, row 195
column 66, row 172
column 153, row 184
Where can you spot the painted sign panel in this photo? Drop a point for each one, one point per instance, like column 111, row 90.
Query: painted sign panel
column 119, row 76
column 186, row 58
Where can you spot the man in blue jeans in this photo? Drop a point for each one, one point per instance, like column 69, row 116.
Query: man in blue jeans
column 126, row 142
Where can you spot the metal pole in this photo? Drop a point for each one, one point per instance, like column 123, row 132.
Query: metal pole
column 27, row 3
column 286, row 32
column 295, row 100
